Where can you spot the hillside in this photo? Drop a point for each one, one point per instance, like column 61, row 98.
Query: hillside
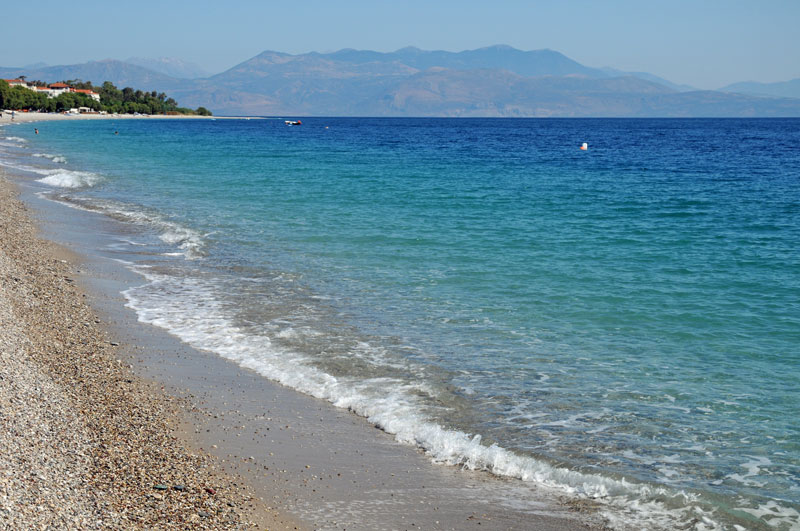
column 492, row 81
column 120, row 73
column 782, row 89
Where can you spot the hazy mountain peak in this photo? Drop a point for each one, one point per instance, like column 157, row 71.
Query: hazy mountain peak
column 272, row 54
column 500, row 47
column 497, row 80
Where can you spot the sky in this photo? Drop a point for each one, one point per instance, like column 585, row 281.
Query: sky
column 704, row 43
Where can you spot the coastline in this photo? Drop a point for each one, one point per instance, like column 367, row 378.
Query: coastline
column 85, row 442
column 29, row 117
column 364, row 470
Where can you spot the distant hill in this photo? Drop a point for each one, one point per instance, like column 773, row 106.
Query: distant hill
column 118, row 72
column 170, row 66
column 613, row 72
column 492, row 81
column 783, row 89
column 500, row 57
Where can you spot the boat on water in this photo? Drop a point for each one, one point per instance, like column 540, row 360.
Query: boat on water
column 293, row 122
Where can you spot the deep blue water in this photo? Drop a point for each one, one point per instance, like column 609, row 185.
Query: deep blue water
column 621, row 323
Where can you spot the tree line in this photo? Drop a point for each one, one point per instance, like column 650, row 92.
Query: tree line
column 112, row 100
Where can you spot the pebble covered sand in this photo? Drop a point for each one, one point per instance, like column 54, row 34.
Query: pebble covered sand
column 84, row 443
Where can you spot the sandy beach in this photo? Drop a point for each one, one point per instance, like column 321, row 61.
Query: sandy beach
column 28, row 117
column 110, row 423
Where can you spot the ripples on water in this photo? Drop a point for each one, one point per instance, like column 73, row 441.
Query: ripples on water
column 622, row 323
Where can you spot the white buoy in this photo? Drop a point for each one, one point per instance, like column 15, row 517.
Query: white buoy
column 585, row 146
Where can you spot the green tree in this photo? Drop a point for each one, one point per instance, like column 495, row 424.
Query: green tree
column 4, row 89
column 72, row 100
column 20, row 98
column 112, row 99
column 78, row 84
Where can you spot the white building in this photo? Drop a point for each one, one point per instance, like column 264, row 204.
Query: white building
column 57, row 89
column 18, row 83
column 94, row 95
column 54, row 90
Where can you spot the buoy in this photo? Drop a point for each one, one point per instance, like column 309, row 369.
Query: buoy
column 584, row 146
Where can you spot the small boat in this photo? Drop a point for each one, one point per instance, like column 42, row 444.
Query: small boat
column 293, row 122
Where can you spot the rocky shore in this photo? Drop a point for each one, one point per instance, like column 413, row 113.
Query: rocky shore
column 84, row 443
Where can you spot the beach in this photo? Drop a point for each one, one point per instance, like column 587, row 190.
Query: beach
column 110, row 423
column 451, row 324
column 86, row 444
column 28, row 117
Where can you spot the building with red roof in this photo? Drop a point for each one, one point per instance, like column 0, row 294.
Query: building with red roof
column 17, row 83
column 54, row 90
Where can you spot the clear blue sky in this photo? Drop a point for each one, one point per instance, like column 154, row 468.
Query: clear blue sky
column 705, row 43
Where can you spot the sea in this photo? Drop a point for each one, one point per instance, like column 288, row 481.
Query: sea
column 620, row 323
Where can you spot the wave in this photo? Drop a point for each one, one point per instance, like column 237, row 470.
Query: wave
column 20, row 167
column 191, row 242
column 59, row 178
column 55, row 158
column 190, row 309
column 69, row 178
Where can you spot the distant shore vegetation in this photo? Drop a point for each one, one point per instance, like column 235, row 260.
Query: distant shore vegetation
column 112, row 100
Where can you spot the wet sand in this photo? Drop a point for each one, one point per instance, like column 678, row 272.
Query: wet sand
column 84, row 442
column 304, row 463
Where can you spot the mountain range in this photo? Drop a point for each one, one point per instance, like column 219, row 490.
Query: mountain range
column 171, row 66
column 782, row 89
column 492, row 81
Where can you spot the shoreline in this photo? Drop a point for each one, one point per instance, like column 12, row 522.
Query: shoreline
column 230, row 411
column 85, row 441
column 30, row 117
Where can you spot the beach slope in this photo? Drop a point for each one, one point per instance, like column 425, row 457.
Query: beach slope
column 84, row 443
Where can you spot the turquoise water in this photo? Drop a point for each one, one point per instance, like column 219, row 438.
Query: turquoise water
column 621, row 323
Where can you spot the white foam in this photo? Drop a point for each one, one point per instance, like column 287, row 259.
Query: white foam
column 16, row 139
column 776, row 515
column 187, row 239
column 753, row 468
column 191, row 242
column 55, row 158
column 190, row 310
column 70, row 179
column 287, row 333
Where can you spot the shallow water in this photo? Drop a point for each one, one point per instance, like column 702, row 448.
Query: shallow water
column 621, row 323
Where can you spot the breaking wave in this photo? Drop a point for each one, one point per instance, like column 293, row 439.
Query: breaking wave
column 70, row 178
column 55, row 158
